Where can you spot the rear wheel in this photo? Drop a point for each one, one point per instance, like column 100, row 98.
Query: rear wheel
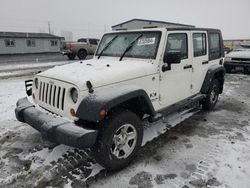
column 82, row 54
column 212, row 96
column 71, row 56
column 119, row 140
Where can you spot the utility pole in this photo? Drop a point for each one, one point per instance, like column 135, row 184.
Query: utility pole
column 88, row 29
column 49, row 27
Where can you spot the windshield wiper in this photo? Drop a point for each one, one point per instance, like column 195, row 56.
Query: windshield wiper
column 130, row 46
column 105, row 47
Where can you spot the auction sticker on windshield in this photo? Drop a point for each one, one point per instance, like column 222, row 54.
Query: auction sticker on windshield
column 146, row 41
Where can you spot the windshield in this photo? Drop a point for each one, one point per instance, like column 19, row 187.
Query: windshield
column 145, row 47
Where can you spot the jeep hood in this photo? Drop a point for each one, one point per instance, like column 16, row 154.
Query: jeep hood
column 100, row 72
column 239, row 54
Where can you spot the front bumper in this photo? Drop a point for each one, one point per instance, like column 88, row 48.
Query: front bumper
column 55, row 129
column 66, row 52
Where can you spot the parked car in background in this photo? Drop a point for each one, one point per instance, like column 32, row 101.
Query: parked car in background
column 81, row 48
column 238, row 60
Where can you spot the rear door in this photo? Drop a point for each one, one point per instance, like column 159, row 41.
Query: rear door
column 200, row 59
column 216, row 50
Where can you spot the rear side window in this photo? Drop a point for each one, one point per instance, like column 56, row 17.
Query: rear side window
column 93, row 41
column 214, row 46
column 82, row 40
column 199, row 44
column 178, row 42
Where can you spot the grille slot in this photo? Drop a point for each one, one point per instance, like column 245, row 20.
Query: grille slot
column 43, row 91
column 241, row 59
column 52, row 95
column 63, row 95
column 58, row 97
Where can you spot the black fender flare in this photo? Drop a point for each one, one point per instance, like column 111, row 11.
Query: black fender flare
column 108, row 99
column 211, row 73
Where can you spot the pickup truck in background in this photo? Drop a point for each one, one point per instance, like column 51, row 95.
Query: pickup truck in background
column 238, row 60
column 81, row 48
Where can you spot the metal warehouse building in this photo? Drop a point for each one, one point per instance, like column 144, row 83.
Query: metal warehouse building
column 21, row 43
column 141, row 23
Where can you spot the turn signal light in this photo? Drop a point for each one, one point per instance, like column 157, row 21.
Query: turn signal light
column 72, row 112
column 102, row 113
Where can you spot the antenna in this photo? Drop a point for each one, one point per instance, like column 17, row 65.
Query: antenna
column 49, row 27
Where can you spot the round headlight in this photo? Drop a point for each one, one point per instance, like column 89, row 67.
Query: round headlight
column 74, row 94
column 36, row 83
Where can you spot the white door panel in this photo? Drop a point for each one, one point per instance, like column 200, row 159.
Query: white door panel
column 175, row 84
column 200, row 59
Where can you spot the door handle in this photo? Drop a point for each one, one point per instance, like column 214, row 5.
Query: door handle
column 204, row 62
column 187, row 67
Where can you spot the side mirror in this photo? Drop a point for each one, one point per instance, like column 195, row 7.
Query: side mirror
column 171, row 57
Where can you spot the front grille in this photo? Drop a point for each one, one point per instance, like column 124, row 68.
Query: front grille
column 240, row 59
column 52, row 95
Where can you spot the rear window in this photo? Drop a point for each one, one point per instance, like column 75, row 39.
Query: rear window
column 93, row 41
column 214, row 46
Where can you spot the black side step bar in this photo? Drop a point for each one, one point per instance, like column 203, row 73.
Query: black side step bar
column 173, row 108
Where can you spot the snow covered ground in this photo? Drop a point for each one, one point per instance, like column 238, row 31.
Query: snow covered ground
column 28, row 64
column 203, row 149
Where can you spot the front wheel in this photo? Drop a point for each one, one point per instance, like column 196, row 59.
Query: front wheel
column 71, row 56
column 119, row 140
column 212, row 96
column 82, row 54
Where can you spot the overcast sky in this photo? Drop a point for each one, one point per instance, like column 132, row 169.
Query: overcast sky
column 92, row 17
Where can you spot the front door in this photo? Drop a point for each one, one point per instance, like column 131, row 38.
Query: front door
column 175, row 84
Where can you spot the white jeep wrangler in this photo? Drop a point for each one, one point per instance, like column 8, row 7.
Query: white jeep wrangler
column 135, row 75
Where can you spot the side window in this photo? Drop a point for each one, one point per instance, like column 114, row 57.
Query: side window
column 214, row 46
column 199, row 44
column 178, row 42
column 53, row 43
column 93, row 41
column 82, row 40
column 31, row 43
column 9, row 43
